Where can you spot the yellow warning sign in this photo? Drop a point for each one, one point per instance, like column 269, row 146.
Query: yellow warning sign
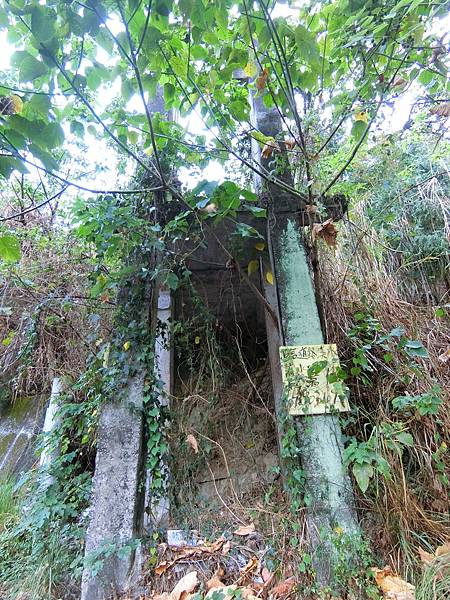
column 311, row 379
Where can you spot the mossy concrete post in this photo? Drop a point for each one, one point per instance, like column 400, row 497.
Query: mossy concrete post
column 319, row 437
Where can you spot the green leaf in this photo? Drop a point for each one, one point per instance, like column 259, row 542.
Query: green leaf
column 29, row 67
column 359, row 128
column 42, row 24
column 54, row 134
column 9, row 248
column 39, row 104
column 163, row 7
column 405, row 438
column 46, row 159
column 307, row 46
column 363, row 473
column 77, row 128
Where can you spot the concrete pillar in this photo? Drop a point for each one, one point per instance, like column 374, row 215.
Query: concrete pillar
column 319, row 437
column 114, row 511
column 157, row 513
column 52, row 422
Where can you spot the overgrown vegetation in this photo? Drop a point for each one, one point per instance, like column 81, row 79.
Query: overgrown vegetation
column 81, row 254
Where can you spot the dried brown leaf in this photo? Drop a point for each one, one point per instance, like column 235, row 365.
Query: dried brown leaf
column 399, row 82
column 445, row 356
column 245, row 530
column 215, row 583
column 262, row 80
column 269, row 147
column 283, row 589
column 393, row 586
column 226, row 547
column 184, row 552
column 326, row 230
column 192, row 441
column 426, row 557
column 443, row 550
column 186, row 585
column 250, row 566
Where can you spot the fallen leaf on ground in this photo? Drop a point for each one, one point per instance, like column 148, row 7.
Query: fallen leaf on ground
column 215, row 583
column 226, row 548
column 443, row 550
column 283, row 589
column 191, row 440
column 445, row 356
column 266, row 575
column 184, row 552
column 250, row 566
column 186, row 585
column 393, row 586
column 245, row 530
column 326, row 230
column 426, row 557
column 440, row 560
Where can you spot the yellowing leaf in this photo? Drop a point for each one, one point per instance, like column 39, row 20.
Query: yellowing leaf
column 197, row 340
column 252, row 267
column 362, row 115
column 260, row 246
column 148, row 151
column 250, row 69
column 10, row 105
column 192, row 441
column 17, row 103
column 269, row 277
column 126, row 346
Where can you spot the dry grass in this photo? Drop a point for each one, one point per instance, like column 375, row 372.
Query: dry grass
column 410, row 509
column 44, row 322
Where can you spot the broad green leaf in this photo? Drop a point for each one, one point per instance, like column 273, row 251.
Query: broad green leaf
column 8, row 164
column 363, row 473
column 30, row 69
column 9, row 248
column 307, row 46
column 38, row 104
column 359, row 128
column 42, row 24
column 405, row 438
column 46, row 159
